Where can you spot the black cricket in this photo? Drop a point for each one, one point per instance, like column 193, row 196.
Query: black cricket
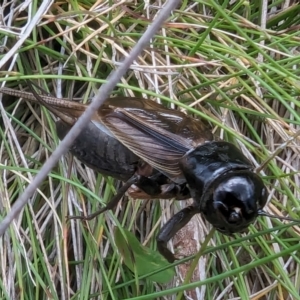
column 164, row 153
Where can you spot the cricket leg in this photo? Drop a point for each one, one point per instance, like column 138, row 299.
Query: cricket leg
column 113, row 202
column 177, row 222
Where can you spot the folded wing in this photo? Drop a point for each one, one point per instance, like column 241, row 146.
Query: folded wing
column 158, row 135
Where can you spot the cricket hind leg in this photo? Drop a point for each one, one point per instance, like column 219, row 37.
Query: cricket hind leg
column 152, row 187
column 113, row 202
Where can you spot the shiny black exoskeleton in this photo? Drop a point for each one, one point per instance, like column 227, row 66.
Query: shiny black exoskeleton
column 180, row 150
column 163, row 153
column 223, row 186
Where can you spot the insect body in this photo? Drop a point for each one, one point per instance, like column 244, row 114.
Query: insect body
column 166, row 154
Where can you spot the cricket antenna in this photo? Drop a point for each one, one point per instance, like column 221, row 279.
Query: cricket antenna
column 265, row 214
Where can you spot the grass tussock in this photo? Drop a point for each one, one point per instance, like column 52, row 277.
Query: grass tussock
column 234, row 64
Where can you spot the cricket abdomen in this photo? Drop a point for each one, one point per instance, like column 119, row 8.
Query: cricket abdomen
column 100, row 151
